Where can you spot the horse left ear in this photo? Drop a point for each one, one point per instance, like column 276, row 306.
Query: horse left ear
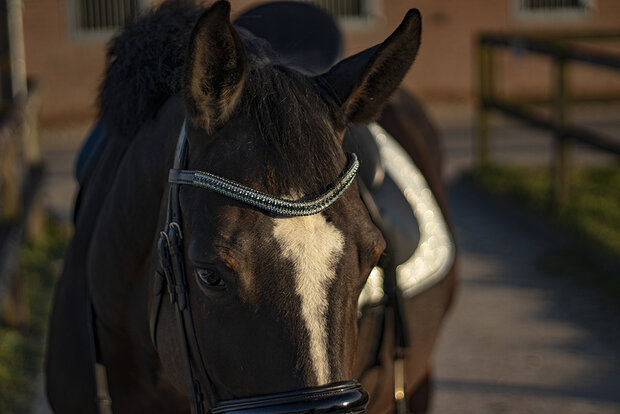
column 215, row 68
column 363, row 82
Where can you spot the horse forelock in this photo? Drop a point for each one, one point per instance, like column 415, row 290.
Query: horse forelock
column 296, row 127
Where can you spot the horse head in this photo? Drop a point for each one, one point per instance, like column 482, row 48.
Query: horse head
column 273, row 296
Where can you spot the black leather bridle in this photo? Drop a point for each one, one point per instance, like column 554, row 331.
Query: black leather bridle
column 340, row 397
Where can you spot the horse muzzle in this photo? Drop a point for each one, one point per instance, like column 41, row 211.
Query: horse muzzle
column 338, row 397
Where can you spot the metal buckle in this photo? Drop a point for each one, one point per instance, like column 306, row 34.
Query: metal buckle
column 339, row 397
column 175, row 226
column 399, row 386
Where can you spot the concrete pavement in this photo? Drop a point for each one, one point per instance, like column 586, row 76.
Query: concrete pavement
column 519, row 340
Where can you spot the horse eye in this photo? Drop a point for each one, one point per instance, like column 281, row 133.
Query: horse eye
column 210, row 278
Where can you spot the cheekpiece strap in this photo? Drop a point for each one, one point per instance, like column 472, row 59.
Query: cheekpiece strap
column 266, row 202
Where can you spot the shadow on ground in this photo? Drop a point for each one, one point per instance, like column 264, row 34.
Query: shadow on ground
column 519, row 340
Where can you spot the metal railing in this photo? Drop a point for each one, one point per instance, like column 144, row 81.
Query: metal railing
column 21, row 174
column 559, row 49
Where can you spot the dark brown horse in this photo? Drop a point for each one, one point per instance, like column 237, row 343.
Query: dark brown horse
column 263, row 302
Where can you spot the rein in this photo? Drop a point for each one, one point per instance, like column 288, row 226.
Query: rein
column 348, row 396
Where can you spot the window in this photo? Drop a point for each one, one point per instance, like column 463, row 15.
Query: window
column 347, row 11
column 101, row 18
column 553, row 9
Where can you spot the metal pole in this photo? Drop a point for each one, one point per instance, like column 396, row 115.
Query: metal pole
column 16, row 47
column 19, row 82
column 9, row 184
column 561, row 150
column 485, row 93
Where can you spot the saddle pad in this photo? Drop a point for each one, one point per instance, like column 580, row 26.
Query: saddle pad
column 435, row 253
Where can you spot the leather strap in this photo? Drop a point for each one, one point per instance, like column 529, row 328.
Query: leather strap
column 172, row 275
column 396, row 305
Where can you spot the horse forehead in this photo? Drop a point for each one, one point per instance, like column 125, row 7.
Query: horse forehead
column 309, row 241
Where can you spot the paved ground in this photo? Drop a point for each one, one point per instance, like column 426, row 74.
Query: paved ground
column 518, row 340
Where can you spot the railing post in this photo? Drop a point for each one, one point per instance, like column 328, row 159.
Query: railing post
column 30, row 128
column 485, row 93
column 9, row 182
column 561, row 149
column 33, row 158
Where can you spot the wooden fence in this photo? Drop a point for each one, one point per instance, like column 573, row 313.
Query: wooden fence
column 562, row 52
column 21, row 212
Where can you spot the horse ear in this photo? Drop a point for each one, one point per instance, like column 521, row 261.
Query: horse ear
column 215, row 68
column 363, row 82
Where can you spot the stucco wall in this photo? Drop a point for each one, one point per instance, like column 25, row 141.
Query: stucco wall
column 70, row 69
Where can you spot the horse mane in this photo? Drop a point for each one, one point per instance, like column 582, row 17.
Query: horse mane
column 145, row 67
column 145, row 63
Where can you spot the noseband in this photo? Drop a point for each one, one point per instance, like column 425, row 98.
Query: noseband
column 342, row 397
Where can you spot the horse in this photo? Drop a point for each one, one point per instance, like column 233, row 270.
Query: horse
column 223, row 241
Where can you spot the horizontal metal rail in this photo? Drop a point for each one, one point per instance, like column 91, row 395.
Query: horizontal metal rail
column 556, row 47
column 578, row 99
column 531, row 117
column 561, row 52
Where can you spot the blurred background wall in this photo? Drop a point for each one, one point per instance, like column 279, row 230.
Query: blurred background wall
column 66, row 39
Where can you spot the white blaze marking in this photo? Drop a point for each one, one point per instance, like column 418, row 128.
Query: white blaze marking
column 314, row 246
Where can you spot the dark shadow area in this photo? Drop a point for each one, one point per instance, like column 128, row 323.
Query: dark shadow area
column 525, row 390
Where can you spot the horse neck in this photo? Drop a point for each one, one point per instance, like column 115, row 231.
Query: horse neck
column 121, row 254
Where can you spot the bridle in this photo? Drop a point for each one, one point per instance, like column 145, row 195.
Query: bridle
column 340, row 397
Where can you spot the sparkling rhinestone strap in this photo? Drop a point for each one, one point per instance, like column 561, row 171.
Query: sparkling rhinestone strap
column 264, row 201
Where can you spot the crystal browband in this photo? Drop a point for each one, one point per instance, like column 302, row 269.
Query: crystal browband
column 264, row 201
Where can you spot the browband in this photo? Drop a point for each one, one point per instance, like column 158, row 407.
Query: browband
column 266, row 202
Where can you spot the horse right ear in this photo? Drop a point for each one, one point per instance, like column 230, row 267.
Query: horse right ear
column 363, row 82
column 215, row 68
